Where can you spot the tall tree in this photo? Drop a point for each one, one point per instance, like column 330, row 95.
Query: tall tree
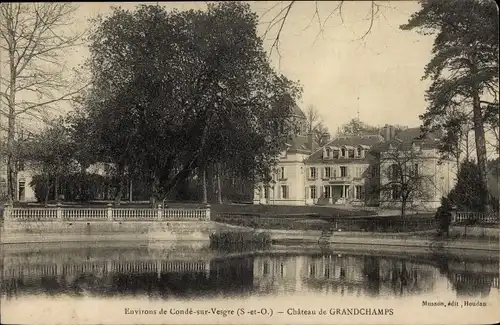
column 464, row 65
column 175, row 91
column 35, row 37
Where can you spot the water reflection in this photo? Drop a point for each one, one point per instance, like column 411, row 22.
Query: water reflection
column 187, row 272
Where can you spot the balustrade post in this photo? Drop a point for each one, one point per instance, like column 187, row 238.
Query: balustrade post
column 207, row 211
column 59, row 212
column 453, row 215
column 7, row 212
column 110, row 212
column 160, row 212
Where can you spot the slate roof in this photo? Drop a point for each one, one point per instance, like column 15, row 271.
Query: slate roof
column 370, row 140
column 297, row 112
column 405, row 139
column 299, row 143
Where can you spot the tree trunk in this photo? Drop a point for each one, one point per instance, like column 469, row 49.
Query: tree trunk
column 119, row 192
column 204, row 185
column 480, row 138
column 467, row 154
column 56, row 188
column 11, row 172
column 47, row 188
column 482, row 159
column 403, row 208
column 130, row 190
column 218, row 175
column 154, row 190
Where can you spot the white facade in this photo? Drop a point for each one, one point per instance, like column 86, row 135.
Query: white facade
column 429, row 179
column 287, row 186
column 346, row 172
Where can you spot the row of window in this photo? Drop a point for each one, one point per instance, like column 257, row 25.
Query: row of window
column 332, row 172
column 344, row 153
column 396, row 170
column 329, row 172
column 283, row 194
column 313, row 193
column 328, row 192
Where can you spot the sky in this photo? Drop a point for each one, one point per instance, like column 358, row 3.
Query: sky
column 333, row 65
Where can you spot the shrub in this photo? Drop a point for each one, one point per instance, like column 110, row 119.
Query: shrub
column 231, row 240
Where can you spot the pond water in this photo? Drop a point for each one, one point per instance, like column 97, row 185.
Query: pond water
column 147, row 277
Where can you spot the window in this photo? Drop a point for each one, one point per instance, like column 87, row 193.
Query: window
column 343, row 171
column 282, row 173
column 312, row 270
column 328, row 172
column 375, row 171
column 284, row 192
column 328, row 152
column 334, row 172
column 265, row 268
column 359, row 192
column 312, row 192
column 328, row 192
column 415, row 170
column 342, row 151
column 327, row 272
column 351, row 153
column 266, row 192
column 395, row 192
column 359, row 152
column 312, row 172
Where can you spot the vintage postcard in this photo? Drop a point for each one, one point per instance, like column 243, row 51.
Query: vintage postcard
column 260, row 162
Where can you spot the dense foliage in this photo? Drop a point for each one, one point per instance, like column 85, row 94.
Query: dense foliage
column 469, row 192
column 175, row 92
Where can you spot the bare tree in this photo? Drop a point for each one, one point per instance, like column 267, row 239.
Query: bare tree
column 405, row 176
column 322, row 135
column 316, row 126
column 313, row 119
column 279, row 14
column 34, row 38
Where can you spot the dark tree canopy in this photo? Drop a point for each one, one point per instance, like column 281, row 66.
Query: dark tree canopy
column 468, row 194
column 176, row 91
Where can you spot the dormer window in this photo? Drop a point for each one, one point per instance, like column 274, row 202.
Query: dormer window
column 343, row 152
column 328, row 152
column 358, row 151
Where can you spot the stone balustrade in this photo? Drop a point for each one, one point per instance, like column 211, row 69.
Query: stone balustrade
column 480, row 217
column 109, row 213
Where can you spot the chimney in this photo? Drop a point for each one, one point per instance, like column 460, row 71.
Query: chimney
column 387, row 132
column 393, row 131
column 310, row 141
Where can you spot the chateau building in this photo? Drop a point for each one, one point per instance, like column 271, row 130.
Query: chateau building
column 361, row 170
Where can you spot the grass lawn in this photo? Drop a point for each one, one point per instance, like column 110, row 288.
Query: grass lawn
column 393, row 224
